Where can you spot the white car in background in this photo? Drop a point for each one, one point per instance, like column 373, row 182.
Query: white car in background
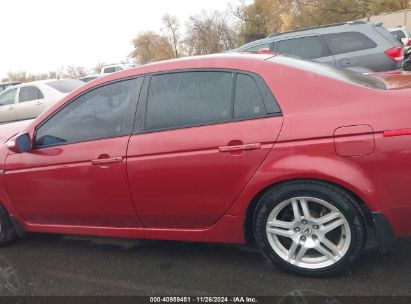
column 29, row 100
column 402, row 35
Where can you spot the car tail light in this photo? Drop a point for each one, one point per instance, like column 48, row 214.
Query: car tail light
column 409, row 41
column 396, row 54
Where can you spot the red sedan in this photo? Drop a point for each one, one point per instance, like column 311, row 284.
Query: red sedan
column 298, row 157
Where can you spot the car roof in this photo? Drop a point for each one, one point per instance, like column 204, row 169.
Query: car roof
column 323, row 29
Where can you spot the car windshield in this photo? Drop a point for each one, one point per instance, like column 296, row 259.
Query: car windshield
column 331, row 72
column 66, row 86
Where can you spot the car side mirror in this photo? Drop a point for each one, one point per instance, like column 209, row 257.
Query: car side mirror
column 21, row 144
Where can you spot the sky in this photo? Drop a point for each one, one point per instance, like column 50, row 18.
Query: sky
column 38, row 36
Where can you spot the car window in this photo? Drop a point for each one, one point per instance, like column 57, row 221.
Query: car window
column 340, row 43
column 398, row 34
column 305, row 47
column 248, row 102
column 29, row 93
column 66, row 85
column 8, row 97
column 258, row 47
column 109, row 70
column 188, row 99
column 100, row 113
column 119, row 68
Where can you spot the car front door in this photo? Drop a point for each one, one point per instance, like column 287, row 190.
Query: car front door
column 194, row 149
column 76, row 174
column 7, row 106
column 30, row 103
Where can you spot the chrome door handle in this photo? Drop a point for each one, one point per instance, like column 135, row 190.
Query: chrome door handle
column 240, row 148
column 11, row 107
column 39, row 103
column 105, row 161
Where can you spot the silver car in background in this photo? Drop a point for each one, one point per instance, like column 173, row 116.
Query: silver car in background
column 356, row 44
column 29, row 100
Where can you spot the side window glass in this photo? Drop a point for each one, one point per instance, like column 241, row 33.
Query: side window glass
column 248, row 102
column 8, row 98
column 258, row 47
column 187, row 99
column 29, row 94
column 305, row 47
column 100, row 113
column 340, row 43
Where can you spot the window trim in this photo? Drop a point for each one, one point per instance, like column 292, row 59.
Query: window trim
column 129, row 119
column 141, row 117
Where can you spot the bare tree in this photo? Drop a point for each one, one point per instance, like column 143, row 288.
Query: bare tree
column 210, row 33
column 172, row 32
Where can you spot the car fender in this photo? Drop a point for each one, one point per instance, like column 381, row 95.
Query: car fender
column 289, row 162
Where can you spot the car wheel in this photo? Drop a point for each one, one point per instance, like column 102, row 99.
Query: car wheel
column 309, row 228
column 7, row 230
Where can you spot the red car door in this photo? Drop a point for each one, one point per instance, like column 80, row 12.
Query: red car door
column 76, row 172
column 194, row 148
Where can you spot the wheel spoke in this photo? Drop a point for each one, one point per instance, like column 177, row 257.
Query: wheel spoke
column 280, row 224
column 281, row 232
column 328, row 218
column 330, row 245
column 306, row 209
column 332, row 225
column 296, row 210
column 301, row 253
column 291, row 251
column 321, row 249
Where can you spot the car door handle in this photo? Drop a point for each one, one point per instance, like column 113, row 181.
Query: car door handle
column 11, row 107
column 106, row 161
column 240, row 147
column 39, row 103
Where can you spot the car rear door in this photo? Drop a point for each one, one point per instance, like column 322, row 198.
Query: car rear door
column 307, row 47
column 199, row 137
column 30, row 102
column 352, row 49
column 7, row 106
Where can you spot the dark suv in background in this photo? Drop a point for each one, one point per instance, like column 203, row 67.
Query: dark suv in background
column 356, row 44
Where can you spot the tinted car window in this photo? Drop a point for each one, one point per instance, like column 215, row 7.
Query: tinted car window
column 248, row 102
column 8, row 97
column 258, row 47
column 187, row 99
column 98, row 114
column 304, row 47
column 109, row 70
column 65, row 86
column 29, row 93
column 340, row 43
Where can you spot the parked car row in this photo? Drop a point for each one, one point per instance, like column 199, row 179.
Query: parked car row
column 346, row 45
column 29, row 100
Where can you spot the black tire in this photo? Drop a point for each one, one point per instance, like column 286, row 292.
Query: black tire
column 7, row 229
column 336, row 196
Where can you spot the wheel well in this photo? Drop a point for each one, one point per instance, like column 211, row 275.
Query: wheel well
column 248, row 224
